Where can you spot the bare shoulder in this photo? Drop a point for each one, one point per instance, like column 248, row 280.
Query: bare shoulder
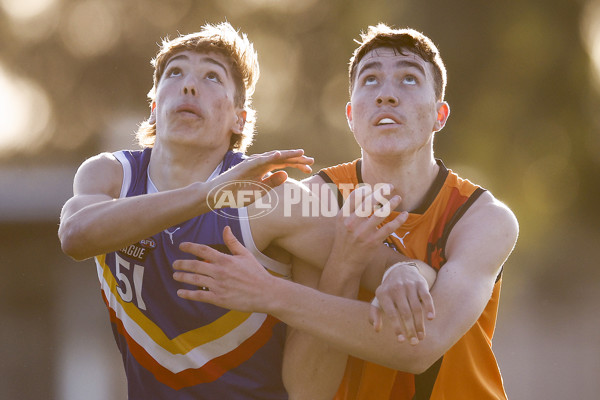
column 495, row 212
column 102, row 173
column 485, row 235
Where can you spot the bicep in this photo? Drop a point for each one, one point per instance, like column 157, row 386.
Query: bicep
column 97, row 179
column 483, row 239
column 476, row 250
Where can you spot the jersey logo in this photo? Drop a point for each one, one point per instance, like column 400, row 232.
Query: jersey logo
column 401, row 239
column 139, row 251
column 171, row 234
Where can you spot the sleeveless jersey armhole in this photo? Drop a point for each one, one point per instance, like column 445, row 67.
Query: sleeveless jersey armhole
column 279, row 268
column 120, row 155
column 334, row 188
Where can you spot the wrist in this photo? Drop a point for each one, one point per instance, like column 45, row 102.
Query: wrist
column 341, row 277
column 401, row 264
column 278, row 298
column 201, row 191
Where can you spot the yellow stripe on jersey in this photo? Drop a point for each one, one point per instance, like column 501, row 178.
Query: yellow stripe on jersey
column 184, row 342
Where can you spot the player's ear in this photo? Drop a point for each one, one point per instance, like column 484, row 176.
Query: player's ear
column 349, row 116
column 240, row 122
column 443, row 112
column 152, row 119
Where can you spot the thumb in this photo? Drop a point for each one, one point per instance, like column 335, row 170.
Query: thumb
column 275, row 179
column 234, row 246
column 375, row 315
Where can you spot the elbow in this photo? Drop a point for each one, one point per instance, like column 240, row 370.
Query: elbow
column 71, row 242
column 419, row 367
column 421, row 364
column 415, row 362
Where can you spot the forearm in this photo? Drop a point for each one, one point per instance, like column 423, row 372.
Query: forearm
column 112, row 224
column 383, row 260
column 343, row 324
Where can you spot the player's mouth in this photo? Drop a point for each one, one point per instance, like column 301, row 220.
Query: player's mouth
column 383, row 120
column 189, row 109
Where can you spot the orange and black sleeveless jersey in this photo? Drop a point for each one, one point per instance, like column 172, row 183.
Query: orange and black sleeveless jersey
column 468, row 370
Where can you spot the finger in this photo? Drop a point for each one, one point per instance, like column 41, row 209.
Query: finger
column 380, row 214
column 363, row 201
column 374, row 201
column 355, row 202
column 199, row 250
column 376, row 318
column 201, row 281
column 197, row 295
column 392, row 226
column 386, row 207
column 303, row 164
column 389, row 309
column 275, row 179
column 194, row 266
column 375, row 315
column 406, row 316
column 417, row 312
column 427, row 302
column 234, row 245
column 348, row 206
column 288, row 158
column 379, row 199
column 277, row 155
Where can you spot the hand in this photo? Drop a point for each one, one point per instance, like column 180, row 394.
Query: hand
column 259, row 167
column 358, row 235
column 236, row 281
column 249, row 180
column 404, row 297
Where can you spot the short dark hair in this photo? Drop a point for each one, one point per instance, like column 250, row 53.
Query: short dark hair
column 401, row 40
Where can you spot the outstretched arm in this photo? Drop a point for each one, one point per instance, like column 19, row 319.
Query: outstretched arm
column 477, row 248
column 95, row 220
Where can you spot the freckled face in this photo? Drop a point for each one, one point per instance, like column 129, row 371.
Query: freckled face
column 393, row 107
column 195, row 100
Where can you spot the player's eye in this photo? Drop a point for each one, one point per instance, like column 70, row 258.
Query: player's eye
column 213, row 76
column 370, row 80
column 410, row 80
column 174, row 71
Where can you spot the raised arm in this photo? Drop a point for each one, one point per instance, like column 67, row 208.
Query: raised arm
column 477, row 248
column 95, row 220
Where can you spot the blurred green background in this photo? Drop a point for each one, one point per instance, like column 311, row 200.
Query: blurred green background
column 524, row 81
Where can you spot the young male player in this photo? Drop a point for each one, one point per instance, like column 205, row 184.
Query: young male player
column 397, row 83
column 132, row 209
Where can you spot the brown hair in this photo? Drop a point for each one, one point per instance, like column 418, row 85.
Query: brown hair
column 401, row 40
column 223, row 39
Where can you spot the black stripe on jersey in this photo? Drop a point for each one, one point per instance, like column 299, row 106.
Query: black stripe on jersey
column 499, row 274
column 327, row 179
column 431, row 193
column 435, row 188
column 359, row 171
column 457, row 216
column 424, row 382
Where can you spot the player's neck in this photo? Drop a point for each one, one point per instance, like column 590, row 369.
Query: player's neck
column 176, row 169
column 411, row 176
